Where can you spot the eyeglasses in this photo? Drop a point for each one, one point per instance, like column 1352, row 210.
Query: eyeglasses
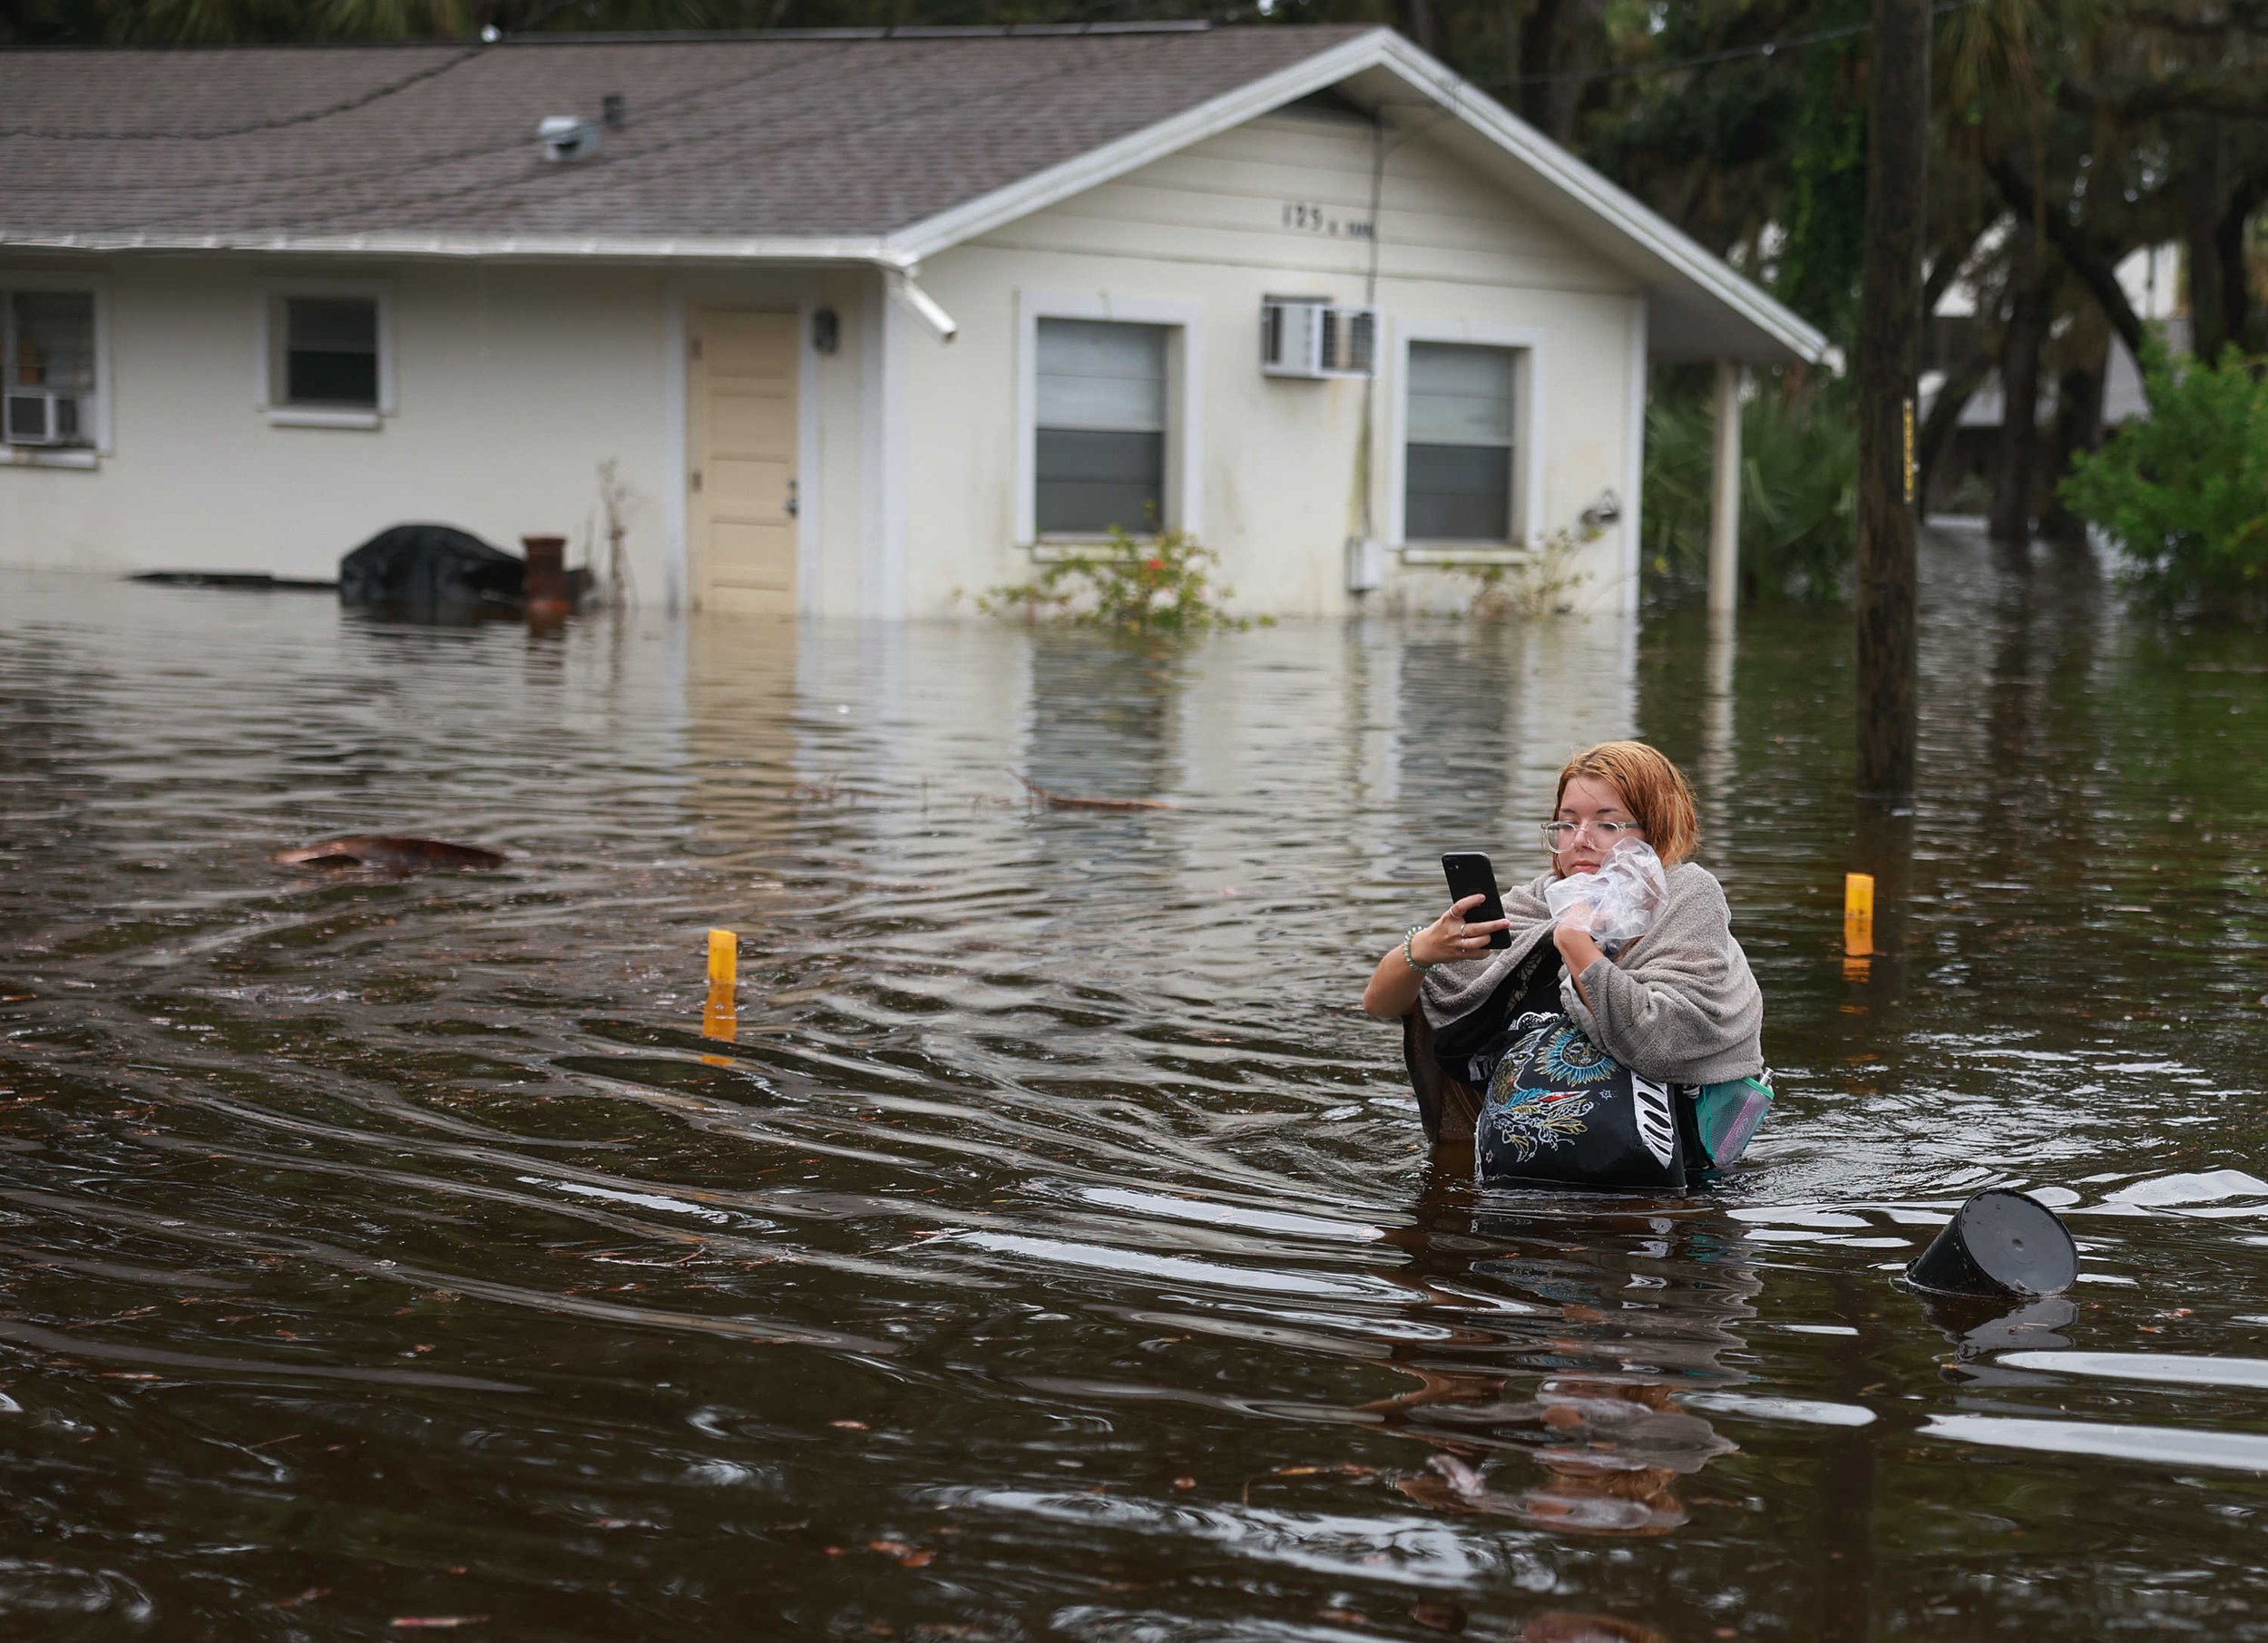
column 1558, row 834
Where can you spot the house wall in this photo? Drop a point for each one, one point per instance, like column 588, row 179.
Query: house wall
column 1282, row 468
column 512, row 384
column 513, row 381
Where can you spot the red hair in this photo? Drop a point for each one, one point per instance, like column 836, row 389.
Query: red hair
column 1653, row 790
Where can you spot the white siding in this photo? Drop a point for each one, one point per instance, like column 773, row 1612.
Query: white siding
column 512, row 384
column 1218, row 227
column 515, row 381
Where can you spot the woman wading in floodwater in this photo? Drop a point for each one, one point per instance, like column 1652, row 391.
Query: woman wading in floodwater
column 1506, row 1044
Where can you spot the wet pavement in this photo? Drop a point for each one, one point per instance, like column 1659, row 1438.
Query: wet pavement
column 1051, row 1251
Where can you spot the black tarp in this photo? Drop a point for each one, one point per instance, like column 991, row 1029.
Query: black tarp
column 431, row 568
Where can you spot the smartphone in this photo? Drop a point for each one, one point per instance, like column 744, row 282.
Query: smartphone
column 1470, row 873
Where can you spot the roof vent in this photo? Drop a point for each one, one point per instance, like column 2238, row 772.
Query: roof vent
column 568, row 136
column 613, row 113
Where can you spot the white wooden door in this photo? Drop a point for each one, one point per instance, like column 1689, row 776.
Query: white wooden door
column 743, row 441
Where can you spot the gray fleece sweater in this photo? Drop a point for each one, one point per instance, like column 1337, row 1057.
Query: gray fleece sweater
column 1680, row 1004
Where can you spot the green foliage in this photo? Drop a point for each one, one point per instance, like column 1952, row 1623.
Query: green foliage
column 1818, row 266
column 2185, row 492
column 1157, row 584
column 1799, row 490
column 1542, row 584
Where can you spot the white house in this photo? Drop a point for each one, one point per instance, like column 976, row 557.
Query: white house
column 862, row 319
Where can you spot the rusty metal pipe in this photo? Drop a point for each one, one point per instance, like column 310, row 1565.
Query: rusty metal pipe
column 547, row 577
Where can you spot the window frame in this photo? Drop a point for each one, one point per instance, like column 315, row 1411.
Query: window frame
column 90, row 455
column 268, row 363
column 1184, row 326
column 1525, row 506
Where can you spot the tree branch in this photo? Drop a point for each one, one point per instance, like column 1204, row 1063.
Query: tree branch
column 1959, row 387
column 1947, row 267
column 2240, row 19
column 2090, row 261
column 2176, row 94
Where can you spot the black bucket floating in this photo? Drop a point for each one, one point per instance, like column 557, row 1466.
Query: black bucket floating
column 1999, row 1243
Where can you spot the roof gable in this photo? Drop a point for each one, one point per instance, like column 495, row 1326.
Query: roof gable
column 1700, row 307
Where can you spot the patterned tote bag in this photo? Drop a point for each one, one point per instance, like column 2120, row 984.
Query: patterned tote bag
column 1562, row 1113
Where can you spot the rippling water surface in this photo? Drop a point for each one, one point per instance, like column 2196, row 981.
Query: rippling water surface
column 1051, row 1253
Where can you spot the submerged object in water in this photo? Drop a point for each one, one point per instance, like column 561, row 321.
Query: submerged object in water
column 388, row 853
column 1999, row 1243
column 431, row 569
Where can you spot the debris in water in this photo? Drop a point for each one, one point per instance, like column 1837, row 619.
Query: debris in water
column 910, row 1557
column 388, row 853
column 1064, row 801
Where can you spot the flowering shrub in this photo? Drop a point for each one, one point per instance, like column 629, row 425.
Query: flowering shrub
column 1162, row 583
column 1542, row 584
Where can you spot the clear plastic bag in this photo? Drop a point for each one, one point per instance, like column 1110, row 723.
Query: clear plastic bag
column 1621, row 899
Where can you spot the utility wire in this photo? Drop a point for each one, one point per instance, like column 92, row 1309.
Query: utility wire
column 1763, row 48
column 278, row 122
column 638, row 175
column 49, row 134
column 363, row 172
column 633, row 172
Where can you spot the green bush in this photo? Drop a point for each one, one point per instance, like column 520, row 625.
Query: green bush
column 1163, row 582
column 2184, row 491
column 1799, row 440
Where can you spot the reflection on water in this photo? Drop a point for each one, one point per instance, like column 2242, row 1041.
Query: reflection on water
column 1572, row 1354
column 1050, row 1251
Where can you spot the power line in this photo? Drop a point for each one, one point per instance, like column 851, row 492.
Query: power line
column 642, row 176
column 1763, row 48
column 278, row 122
column 634, row 174
column 285, row 182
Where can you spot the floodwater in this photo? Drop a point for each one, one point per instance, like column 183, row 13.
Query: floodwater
column 1051, row 1252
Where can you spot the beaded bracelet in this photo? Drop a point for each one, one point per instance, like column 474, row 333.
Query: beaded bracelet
column 1409, row 957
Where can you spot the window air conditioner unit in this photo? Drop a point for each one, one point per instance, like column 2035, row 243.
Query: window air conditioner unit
column 41, row 416
column 1309, row 337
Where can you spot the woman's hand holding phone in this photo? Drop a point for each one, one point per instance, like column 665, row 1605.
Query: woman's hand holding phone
column 1449, row 937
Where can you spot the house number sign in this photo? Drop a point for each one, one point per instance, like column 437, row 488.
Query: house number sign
column 1317, row 220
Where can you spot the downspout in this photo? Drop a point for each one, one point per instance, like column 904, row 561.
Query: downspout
column 1363, row 458
column 899, row 279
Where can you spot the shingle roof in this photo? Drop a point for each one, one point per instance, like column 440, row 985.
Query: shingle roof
column 849, row 135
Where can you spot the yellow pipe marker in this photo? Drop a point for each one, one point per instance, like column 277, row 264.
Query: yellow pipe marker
column 720, row 1015
column 1858, row 914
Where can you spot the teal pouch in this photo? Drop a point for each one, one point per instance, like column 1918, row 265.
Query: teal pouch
column 1728, row 1114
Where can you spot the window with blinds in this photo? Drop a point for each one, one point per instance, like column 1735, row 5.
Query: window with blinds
column 328, row 356
column 1101, row 428
column 1460, row 435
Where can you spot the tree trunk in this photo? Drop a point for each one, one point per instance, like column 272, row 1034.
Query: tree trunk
column 1511, row 33
column 2236, row 287
column 2200, row 149
column 1889, row 335
column 2094, row 264
column 2017, row 455
column 1538, row 58
column 2078, row 426
column 1959, row 387
column 1417, row 22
